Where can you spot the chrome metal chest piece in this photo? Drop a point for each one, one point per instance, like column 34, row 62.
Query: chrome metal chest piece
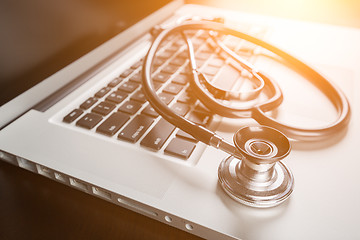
column 258, row 179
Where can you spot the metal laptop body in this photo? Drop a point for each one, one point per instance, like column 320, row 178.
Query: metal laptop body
column 186, row 194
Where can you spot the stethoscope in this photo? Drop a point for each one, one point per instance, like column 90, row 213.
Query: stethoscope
column 253, row 173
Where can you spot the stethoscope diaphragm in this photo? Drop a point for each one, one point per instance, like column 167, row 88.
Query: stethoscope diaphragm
column 258, row 179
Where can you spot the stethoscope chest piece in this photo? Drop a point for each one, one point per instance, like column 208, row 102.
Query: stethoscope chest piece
column 258, row 179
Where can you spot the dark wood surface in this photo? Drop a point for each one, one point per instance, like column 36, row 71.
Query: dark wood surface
column 34, row 207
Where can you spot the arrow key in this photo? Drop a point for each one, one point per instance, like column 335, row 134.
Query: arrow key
column 180, row 148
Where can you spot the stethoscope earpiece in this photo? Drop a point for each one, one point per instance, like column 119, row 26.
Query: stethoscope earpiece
column 258, row 179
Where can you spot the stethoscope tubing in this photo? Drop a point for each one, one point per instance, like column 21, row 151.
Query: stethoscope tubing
column 257, row 112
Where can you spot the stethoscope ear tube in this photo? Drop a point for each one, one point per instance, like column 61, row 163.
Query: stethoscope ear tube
column 337, row 98
column 200, row 133
column 258, row 112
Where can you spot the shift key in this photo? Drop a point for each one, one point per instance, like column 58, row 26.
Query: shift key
column 156, row 138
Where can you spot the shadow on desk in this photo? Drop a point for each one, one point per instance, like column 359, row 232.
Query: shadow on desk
column 34, row 207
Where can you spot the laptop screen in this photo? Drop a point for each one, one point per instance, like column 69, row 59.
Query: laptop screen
column 40, row 37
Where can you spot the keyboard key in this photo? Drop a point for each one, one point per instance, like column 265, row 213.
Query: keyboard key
column 202, row 56
column 111, row 125
column 202, row 108
column 180, row 41
column 89, row 120
column 130, row 107
column 247, row 47
column 178, row 61
column 102, row 92
column 180, row 108
column 197, row 42
column 158, row 62
column 150, row 111
column 74, row 114
column 117, row 97
column 210, row 70
column 156, row 85
column 136, row 78
column 136, row 128
column 232, row 42
column 126, row 73
column 171, row 69
column 216, row 62
column 173, row 88
column 161, row 77
column 181, row 79
column 207, row 48
column 201, row 118
column 183, row 54
column 185, row 135
column 165, row 54
column 230, row 74
column 172, row 48
column 165, row 97
column 180, row 148
column 88, row 103
column 115, row 82
column 199, row 63
column 103, row 108
column 187, row 97
column 157, row 136
column 129, row 86
column 139, row 96
column 187, row 70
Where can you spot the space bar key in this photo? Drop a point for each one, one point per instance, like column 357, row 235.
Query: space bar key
column 156, row 138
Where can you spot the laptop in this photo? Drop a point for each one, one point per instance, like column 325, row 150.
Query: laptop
column 61, row 87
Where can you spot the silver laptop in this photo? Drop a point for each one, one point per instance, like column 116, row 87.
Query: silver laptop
column 73, row 111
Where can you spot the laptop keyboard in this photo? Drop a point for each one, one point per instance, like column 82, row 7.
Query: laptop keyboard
column 120, row 108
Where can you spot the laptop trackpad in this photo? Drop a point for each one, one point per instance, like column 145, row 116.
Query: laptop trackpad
column 141, row 171
column 124, row 169
column 108, row 164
